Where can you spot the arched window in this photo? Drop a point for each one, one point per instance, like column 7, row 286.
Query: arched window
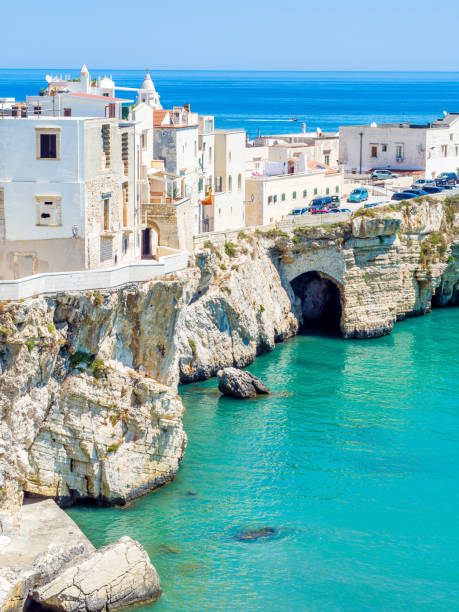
column 239, row 182
column 305, row 193
column 294, row 195
column 283, row 197
column 327, row 191
column 230, row 183
column 315, row 190
column 337, row 189
column 275, row 199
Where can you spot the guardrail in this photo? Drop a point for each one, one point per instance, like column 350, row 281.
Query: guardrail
column 85, row 280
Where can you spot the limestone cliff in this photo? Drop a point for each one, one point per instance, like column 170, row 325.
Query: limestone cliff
column 88, row 392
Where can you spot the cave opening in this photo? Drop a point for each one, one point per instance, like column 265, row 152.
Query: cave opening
column 320, row 303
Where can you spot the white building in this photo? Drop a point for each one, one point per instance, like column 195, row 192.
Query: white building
column 271, row 197
column 431, row 148
column 69, row 196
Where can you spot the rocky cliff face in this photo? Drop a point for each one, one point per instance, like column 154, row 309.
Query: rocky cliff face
column 88, row 392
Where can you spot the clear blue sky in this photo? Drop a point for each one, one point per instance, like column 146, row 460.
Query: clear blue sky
column 236, row 34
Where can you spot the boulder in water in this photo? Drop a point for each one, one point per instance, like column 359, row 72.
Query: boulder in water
column 255, row 534
column 238, row 383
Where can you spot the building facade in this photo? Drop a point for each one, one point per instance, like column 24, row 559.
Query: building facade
column 431, row 148
column 68, row 195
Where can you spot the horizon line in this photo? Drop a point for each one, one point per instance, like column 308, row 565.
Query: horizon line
column 252, row 70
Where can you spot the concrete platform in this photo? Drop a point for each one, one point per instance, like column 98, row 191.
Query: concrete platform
column 41, row 523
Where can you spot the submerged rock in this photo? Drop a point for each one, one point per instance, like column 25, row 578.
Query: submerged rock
column 237, row 383
column 115, row 576
column 255, row 534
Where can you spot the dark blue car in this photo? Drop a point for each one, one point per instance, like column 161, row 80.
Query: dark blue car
column 403, row 195
column 430, row 189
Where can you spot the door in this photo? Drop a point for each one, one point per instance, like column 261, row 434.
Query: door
column 146, row 242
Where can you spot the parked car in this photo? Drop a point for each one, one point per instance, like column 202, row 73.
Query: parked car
column 431, row 189
column 358, row 195
column 345, row 210
column 449, row 187
column 383, row 174
column 370, row 204
column 421, row 182
column 335, row 199
column 446, row 178
column 314, row 210
column 298, row 211
column 417, row 192
column 403, row 195
column 339, row 210
column 323, row 201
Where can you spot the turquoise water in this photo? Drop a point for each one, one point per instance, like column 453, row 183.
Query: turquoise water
column 266, row 101
column 353, row 459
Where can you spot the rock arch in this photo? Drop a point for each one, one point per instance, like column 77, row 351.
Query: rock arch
column 318, row 301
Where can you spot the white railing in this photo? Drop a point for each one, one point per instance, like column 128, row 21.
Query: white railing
column 84, row 280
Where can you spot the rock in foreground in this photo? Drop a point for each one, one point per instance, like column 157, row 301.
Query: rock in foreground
column 113, row 577
column 237, row 383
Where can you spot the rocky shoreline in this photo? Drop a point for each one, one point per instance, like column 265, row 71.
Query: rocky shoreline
column 88, row 391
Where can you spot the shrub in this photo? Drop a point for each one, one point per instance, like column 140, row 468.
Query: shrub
column 223, row 266
column 5, row 330
column 218, row 254
column 450, row 260
column 114, row 418
column 230, row 249
column 297, row 239
column 97, row 367
column 262, row 308
column 242, row 235
column 98, row 299
column 30, row 343
column 51, row 328
column 235, row 267
column 192, row 344
column 113, row 448
column 208, row 245
column 79, row 357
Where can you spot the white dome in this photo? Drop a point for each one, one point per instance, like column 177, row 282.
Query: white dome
column 148, row 83
column 107, row 83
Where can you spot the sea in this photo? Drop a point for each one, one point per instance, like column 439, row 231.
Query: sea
column 350, row 467
column 266, row 102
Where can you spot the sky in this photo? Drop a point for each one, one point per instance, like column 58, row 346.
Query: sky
column 236, row 35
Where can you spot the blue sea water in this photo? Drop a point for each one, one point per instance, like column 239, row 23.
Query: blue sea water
column 353, row 460
column 266, row 101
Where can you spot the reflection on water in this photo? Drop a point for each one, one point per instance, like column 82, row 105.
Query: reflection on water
column 352, row 461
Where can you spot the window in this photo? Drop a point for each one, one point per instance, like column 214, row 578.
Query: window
column 270, row 199
column 125, row 152
column 384, row 148
column 275, row 199
column 230, row 183
column 444, row 150
column 48, row 143
column 229, row 156
column 305, row 193
column 337, row 189
column 239, row 182
column 106, row 212
column 218, row 183
column 125, row 244
column 144, row 140
column 106, row 249
column 125, row 191
column 327, row 159
column 48, row 210
column 283, row 197
column 210, row 153
column 327, row 191
column 457, row 150
column 315, row 190
column 294, row 195
column 106, row 146
column 374, row 151
column 200, row 185
column 399, row 152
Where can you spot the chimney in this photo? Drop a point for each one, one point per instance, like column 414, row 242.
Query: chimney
column 303, row 126
column 187, row 107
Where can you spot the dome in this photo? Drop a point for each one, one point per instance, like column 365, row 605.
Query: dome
column 107, row 83
column 148, row 83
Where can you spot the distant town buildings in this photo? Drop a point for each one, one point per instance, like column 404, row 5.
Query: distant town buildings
column 431, row 148
column 91, row 179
